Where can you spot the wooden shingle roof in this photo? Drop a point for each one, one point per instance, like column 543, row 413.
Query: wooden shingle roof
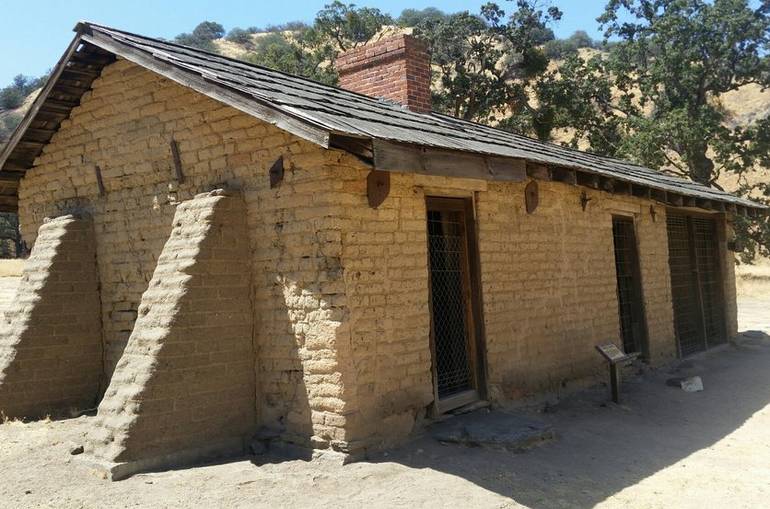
column 327, row 116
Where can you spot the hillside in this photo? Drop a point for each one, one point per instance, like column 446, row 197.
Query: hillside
column 744, row 106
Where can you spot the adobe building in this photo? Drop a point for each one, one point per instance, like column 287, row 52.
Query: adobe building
column 222, row 251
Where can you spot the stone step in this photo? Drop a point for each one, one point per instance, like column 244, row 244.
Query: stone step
column 495, row 428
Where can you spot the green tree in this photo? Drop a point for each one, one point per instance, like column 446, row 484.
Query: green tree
column 208, row 31
column 310, row 50
column 301, row 56
column 202, row 36
column 11, row 245
column 673, row 63
column 414, row 17
column 489, row 65
column 240, row 36
column 11, row 98
column 347, row 26
column 561, row 48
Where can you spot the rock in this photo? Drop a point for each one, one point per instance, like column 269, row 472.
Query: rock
column 692, row 384
column 512, row 431
column 76, row 449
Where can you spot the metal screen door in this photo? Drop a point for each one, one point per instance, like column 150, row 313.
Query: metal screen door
column 696, row 282
column 452, row 328
column 629, row 286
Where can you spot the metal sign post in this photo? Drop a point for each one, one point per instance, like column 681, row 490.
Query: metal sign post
column 614, row 357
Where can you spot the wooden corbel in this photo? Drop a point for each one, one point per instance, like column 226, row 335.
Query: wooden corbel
column 177, row 161
column 276, row 172
column 531, row 196
column 377, row 187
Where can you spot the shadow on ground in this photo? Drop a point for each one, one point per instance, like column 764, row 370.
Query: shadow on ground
column 603, row 448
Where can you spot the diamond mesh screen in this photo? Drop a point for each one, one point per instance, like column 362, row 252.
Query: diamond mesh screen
column 628, row 293
column 710, row 279
column 696, row 282
column 684, row 287
column 448, row 266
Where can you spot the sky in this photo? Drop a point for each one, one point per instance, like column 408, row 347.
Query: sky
column 36, row 32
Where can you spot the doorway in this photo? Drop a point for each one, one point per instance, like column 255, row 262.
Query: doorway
column 633, row 325
column 696, row 282
column 455, row 303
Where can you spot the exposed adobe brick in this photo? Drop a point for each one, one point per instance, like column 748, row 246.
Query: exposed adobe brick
column 185, row 387
column 51, row 343
column 396, row 68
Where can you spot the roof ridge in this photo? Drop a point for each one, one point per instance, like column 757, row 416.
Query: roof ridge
column 315, row 111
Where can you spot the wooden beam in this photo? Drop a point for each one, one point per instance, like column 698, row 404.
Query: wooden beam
column 675, row 199
column 41, row 135
column 359, row 147
column 659, row 195
column 12, row 166
column 641, row 191
column 10, row 176
column 607, row 184
column 400, row 157
column 506, row 169
column 99, row 180
column 622, row 187
column 39, row 100
column 565, row 175
column 177, row 161
column 704, row 204
column 538, row 171
column 587, row 179
column 9, row 201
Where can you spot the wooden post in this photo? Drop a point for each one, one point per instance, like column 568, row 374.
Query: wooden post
column 615, row 382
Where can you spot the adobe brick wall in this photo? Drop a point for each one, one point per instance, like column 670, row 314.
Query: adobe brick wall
column 548, row 283
column 340, row 290
column 51, row 340
column 726, row 232
column 396, row 68
column 124, row 125
column 185, row 385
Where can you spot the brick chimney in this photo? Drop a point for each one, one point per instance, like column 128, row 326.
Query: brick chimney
column 396, row 68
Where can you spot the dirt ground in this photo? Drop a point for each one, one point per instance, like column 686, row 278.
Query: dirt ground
column 661, row 448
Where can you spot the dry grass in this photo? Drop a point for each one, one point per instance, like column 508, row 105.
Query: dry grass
column 753, row 280
column 10, row 268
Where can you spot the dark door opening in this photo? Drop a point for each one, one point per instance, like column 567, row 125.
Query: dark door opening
column 454, row 303
column 696, row 282
column 633, row 326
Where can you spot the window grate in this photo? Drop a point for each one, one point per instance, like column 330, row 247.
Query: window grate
column 696, row 282
column 448, row 271
column 628, row 284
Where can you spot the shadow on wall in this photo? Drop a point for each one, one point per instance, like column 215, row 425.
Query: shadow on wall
column 283, row 400
column 602, row 449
